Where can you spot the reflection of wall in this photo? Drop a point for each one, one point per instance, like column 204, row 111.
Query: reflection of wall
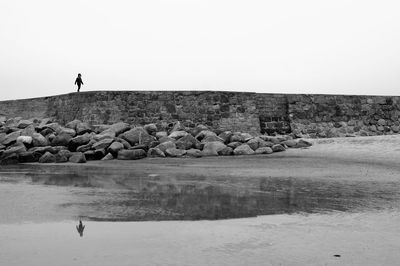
column 315, row 115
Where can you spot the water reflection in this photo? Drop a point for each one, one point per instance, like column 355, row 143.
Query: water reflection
column 140, row 198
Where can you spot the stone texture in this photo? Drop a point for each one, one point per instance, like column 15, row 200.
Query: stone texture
column 47, row 158
column 131, row 154
column 264, row 150
column 155, row 152
column 243, row 149
column 115, row 147
column 166, row 145
column 194, row 153
column 213, row 148
column 173, row 152
column 77, row 157
column 102, row 144
column 187, row 142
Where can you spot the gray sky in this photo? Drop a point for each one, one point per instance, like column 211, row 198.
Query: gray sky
column 286, row 46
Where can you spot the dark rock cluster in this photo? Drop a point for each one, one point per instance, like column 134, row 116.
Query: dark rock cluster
column 45, row 141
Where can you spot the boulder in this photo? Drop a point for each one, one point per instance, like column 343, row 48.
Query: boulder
column 124, row 142
column 28, row 157
column 161, row 134
column 86, row 147
column 42, row 150
column 131, row 154
column 154, row 144
column 243, row 149
column 65, row 153
column 236, row 138
column 226, row 151
column 24, row 123
column 278, row 148
column 65, row 130
column 117, row 128
column 150, row 128
column 234, row 145
column 173, row 152
column 140, row 147
column 17, row 149
column 56, row 127
column 194, row 153
column 100, row 128
column 108, row 156
column 155, row 152
column 290, row 143
column 212, row 148
column 226, row 136
column 381, row 122
column 104, row 135
column 205, row 133
column 61, row 139
column 89, row 155
column 198, row 129
column 177, row 127
column 10, row 159
column 254, row 143
column 60, row 158
column 246, row 136
column 212, row 139
column 166, row 145
column 11, row 138
column 186, row 142
column 73, row 124
column 82, row 128
column 115, row 147
column 79, row 141
column 28, row 131
column 165, row 139
column 137, row 135
column 77, row 157
column 47, row 158
column 46, row 131
column 178, row 134
column 24, row 140
column 264, row 150
column 301, row 143
column 102, row 144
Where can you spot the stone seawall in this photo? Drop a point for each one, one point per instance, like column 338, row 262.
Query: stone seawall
column 309, row 115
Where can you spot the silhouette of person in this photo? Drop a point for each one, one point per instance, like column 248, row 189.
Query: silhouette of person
column 78, row 81
column 80, row 228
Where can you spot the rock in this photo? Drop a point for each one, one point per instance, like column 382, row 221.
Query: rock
column 11, row 138
column 90, row 155
column 117, row 128
column 205, row 133
column 194, row 153
column 363, row 133
column 155, row 152
column 65, row 153
column 243, row 149
column 161, row 134
column 246, row 136
column 177, row 127
column 99, row 154
column 139, row 147
column 77, row 157
column 46, row 131
column 108, row 135
column 234, row 145
column 10, row 159
column 154, row 143
column 29, row 157
column 254, row 143
column 24, row 140
column 12, row 122
column 61, row 140
column 212, row 148
column 290, row 143
column 226, row 136
column 165, row 139
column 3, row 137
column 44, row 122
column 137, row 135
column 212, row 139
column 82, row 128
column 60, row 158
column 173, row 152
column 108, row 156
column 166, row 145
column 85, row 147
column 177, row 134
column 226, row 151
column 115, row 147
column 131, row 154
column 236, row 138
column 73, row 124
column 42, row 150
column 278, row 148
column 100, row 128
column 102, row 144
column 24, row 123
column 28, row 131
column 186, row 142
column 65, row 130
column 17, row 149
column 47, row 158
column 395, row 128
column 150, row 128
column 53, row 126
column 124, row 142
column 264, row 150
column 198, row 129
column 301, row 143
column 79, row 141
column 3, row 119
column 382, row 122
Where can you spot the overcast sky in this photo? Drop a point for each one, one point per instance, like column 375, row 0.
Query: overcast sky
column 292, row 46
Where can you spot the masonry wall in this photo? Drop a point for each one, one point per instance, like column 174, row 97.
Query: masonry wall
column 305, row 115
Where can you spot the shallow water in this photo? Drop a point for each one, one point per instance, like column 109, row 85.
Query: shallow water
column 25, row 197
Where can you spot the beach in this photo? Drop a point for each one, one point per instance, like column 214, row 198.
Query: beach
column 338, row 197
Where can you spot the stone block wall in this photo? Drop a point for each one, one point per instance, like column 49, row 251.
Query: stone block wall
column 305, row 115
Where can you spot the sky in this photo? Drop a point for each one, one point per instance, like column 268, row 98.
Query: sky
column 285, row 46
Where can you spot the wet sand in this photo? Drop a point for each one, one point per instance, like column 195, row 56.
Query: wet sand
column 361, row 236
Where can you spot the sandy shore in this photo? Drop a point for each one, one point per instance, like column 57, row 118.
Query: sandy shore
column 360, row 238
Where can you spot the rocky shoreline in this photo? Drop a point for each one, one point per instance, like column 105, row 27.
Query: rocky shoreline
column 46, row 141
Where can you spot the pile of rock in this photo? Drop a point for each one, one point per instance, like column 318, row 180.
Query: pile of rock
column 45, row 141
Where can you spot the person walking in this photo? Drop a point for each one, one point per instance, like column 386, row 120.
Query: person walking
column 79, row 81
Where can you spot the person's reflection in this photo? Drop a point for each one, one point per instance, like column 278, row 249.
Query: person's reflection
column 80, row 228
